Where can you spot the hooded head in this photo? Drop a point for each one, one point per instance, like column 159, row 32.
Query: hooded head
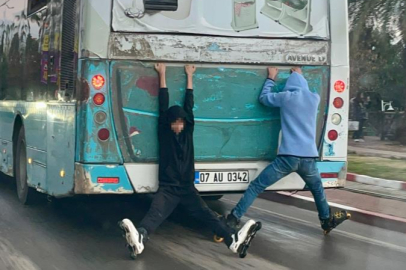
column 177, row 119
column 296, row 82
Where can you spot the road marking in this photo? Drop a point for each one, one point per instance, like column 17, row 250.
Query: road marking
column 311, row 224
column 345, row 207
column 10, row 258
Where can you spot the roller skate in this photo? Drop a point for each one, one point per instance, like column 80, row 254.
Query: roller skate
column 231, row 222
column 336, row 219
column 242, row 239
column 134, row 238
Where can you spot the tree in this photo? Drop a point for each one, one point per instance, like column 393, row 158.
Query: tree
column 378, row 50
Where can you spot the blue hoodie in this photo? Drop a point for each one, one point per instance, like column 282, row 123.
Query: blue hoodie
column 298, row 108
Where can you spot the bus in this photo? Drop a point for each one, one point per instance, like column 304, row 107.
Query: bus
column 79, row 94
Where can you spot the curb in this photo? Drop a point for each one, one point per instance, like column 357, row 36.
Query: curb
column 380, row 220
column 393, row 184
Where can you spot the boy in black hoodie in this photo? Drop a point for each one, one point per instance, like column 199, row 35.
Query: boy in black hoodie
column 177, row 174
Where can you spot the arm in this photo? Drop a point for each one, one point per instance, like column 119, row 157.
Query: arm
column 189, row 102
column 267, row 97
column 270, row 99
column 163, row 91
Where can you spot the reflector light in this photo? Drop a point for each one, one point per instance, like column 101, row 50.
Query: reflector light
column 338, row 103
column 108, row 180
column 100, row 117
column 98, row 82
column 339, row 86
column 333, row 135
column 329, row 175
column 336, row 119
column 103, row 134
column 99, row 99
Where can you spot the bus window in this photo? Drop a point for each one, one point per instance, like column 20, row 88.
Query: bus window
column 35, row 5
column 169, row 5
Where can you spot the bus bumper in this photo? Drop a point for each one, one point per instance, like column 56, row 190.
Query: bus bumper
column 101, row 179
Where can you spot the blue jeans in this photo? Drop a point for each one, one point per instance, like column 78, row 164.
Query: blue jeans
column 279, row 168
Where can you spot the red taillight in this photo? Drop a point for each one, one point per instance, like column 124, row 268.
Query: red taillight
column 338, row 103
column 339, row 86
column 108, row 180
column 99, row 99
column 104, row 134
column 333, row 135
column 98, row 82
column 329, row 175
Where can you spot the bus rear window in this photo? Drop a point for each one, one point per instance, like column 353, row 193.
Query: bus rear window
column 35, row 5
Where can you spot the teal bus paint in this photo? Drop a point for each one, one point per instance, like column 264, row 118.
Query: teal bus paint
column 78, row 94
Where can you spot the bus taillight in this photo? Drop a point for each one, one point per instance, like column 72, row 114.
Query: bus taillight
column 98, row 82
column 333, row 135
column 99, row 99
column 108, row 180
column 338, row 103
column 103, row 134
column 339, row 86
column 100, row 117
column 329, row 175
column 336, row 119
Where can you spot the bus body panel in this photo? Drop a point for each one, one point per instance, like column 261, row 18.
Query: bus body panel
column 231, row 124
column 89, row 148
column 61, row 138
column 340, row 71
column 144, row 176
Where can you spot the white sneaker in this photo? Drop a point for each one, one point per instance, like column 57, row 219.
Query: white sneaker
column 133, row 237
column 356, row 140
column 240, row 237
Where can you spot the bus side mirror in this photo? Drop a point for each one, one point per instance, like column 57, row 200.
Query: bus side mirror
column 161, row 5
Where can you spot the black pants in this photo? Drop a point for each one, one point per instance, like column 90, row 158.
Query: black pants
column 359, row 134
column 168, row 198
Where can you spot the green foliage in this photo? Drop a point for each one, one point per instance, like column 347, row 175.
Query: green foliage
column 378, row 48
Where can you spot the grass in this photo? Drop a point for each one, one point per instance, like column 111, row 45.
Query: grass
column 377, row 167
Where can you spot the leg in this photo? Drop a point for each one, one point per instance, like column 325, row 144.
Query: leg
column 162, row 206
column 281, row 167
column 361, row 129
column 310, row 174
column 197, row 208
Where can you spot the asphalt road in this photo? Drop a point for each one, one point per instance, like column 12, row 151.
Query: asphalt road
column 81, row 233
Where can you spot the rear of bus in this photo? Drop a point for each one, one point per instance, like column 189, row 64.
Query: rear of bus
column 231, row 43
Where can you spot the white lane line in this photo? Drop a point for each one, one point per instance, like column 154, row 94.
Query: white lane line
column 345, row 207
column 313, row 225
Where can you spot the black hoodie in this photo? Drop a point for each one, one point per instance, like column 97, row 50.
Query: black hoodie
column 176, row 153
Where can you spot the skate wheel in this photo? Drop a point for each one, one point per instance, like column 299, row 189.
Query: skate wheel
column 326, row 232
column 218, row 239
column 348, row 215
column 259, row 225
column 132, row 252
column 243, row 252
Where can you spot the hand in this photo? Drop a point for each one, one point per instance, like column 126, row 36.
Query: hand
column 296, row 69
column 190, row 69
column 160, row 68
column 272, row 73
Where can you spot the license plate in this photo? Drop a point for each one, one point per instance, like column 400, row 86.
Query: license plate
column 230, row 177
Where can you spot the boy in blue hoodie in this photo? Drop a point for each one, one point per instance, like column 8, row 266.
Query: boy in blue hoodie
column 297, row 152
